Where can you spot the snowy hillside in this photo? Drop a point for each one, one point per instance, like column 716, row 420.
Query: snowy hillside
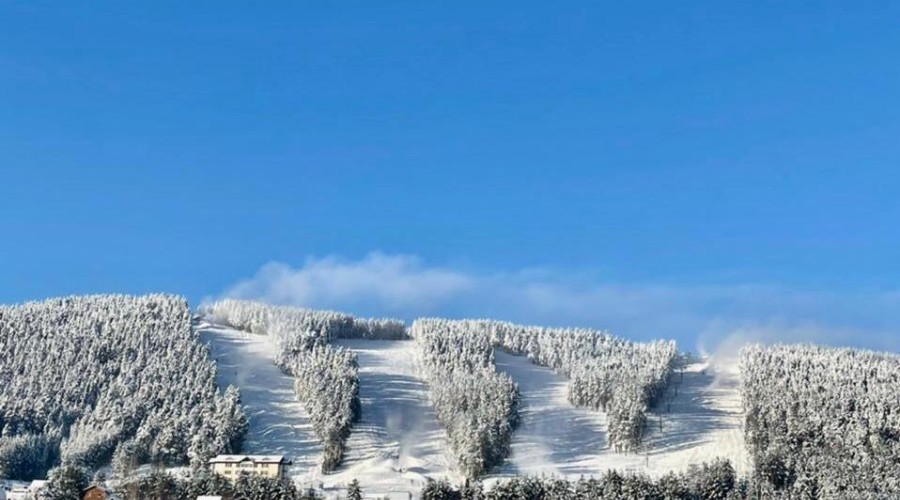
column 395, row 446
column 554, row 437
column 397, row 443
column 94, row 379
column 278, row 422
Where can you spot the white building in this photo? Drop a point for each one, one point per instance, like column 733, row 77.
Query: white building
column 387, row 495
column 261, row 465
column 21, row 490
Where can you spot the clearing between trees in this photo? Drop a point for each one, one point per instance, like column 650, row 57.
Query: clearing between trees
column 397, row 443
column 394, row 446
column 700, row 412
column 278, row 423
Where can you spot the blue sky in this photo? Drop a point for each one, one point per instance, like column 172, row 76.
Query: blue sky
column 673, row 169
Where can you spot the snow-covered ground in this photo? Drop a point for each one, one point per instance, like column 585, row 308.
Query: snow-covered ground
column 391, row 450
column 398, row 442
column 553, row 436
column 701, row 420
column 278, row 422
column 705, row 420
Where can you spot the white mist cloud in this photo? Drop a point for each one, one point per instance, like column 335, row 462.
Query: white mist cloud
column 703, row 317
column 398, row 283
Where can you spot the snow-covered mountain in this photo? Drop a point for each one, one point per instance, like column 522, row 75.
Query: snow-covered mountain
column 135, row 381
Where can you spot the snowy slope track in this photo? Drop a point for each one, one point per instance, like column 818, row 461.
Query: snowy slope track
column 704, row 421
column 398, row 442
column 553, row 436
column 278, row 422
column 701, row 420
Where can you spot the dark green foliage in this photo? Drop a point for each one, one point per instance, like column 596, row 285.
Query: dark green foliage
column 672, row 487
column 252, row 487
column 772, row 466
column 714, row 481
column 439, row 490
column 471, row 490
column 155, row 486
column 164, row 486
column 353, row 491
column 204, row 482
column 28, row 456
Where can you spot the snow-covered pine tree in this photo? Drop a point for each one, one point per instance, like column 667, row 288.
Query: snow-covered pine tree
column 84, row 376
column 327, row 379
column 606, row 373
column 823, row 419
column 65, row 483
column 353, row 491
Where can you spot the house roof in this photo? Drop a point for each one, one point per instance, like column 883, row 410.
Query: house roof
column 109, row 495
column 258, row 459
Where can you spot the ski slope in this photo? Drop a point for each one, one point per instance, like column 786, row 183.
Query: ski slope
column 391, row 451
column 705, row 419
column 278, row 423
column 398, row 442
column 553, row 437
column 701, row 419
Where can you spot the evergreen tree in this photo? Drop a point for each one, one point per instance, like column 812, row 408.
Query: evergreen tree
column 83, row 376
column 327, row 380
column 65, row 483
column 439, row 490
column 99, row 477
column 353, row 491
column 254, row 487
column 830, row 427
column 713, row 481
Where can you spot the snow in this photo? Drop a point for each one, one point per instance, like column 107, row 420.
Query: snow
column 553, row 436
column 391, row 451
column 703, row 422
column 398, row 442
column 278, row 423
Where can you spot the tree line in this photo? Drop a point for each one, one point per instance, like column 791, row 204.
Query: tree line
column 708, row 481
column 476, row 404
column 479, row 406
column 67, row 483
column 326, row 379
column 91, row 378
column 606, row 373
column 823, row 422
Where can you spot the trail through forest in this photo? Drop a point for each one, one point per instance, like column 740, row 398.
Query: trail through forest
column 278, row 422
column 398, row 443
column 699, row 419
column 395, row 446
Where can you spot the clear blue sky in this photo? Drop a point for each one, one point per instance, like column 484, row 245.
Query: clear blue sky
column 179, row 146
